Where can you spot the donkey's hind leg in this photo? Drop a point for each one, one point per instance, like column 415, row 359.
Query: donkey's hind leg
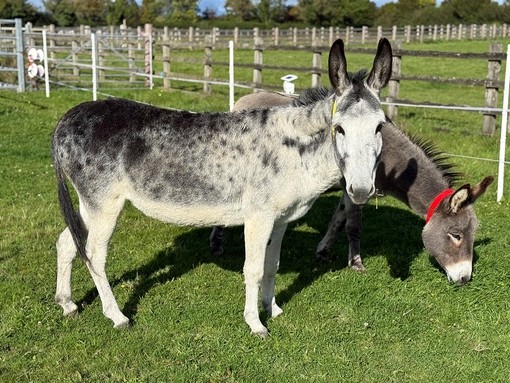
column 66, row 252
column 353, row 228
column 101, row 225
column 271, row 263
column 216, row 240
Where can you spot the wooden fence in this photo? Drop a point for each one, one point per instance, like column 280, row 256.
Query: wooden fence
column 196, row 38
column 133, row 52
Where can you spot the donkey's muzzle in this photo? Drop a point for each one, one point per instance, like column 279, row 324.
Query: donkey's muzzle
column 459, row 273
column 360, row 195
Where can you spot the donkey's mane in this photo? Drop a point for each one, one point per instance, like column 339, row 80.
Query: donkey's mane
column 312, row 95
column 438, row 157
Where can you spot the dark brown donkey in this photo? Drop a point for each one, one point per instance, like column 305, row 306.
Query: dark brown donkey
column 412, row 171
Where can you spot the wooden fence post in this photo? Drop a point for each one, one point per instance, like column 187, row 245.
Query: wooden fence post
column 131, row 61
column 394, row 84
column 394, row 33
column 316, row 66
column 74, row 58
column 166, row 57
column 51, row 41
column 207, row 64
column 276, row 32
column 191, row 37
column 491, row 90
column 148, row 51
column 100, row 55
column 258, row 60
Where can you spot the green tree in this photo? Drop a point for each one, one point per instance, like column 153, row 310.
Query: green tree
column 338, row 12
column 119, row 10
column 91, row 12
column 182, row 11
column 10, row 9
column 148, row 11
column 242, row 10
column 62, row 11
column 470, row 11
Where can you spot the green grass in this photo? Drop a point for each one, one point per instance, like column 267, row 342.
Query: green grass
column 399, row 322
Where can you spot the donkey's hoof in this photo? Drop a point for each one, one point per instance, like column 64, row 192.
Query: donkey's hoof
column 357, row 265
column 120, row 325
column 262, row 333
column 121, row 322
column 70, row 309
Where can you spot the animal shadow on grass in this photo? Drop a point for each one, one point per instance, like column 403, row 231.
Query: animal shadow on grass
column 392, row 232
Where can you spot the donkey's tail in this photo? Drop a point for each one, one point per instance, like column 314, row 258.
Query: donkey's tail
column 71, row 217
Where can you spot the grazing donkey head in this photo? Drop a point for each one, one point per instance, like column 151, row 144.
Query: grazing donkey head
column 357, row 112
column 450, row 230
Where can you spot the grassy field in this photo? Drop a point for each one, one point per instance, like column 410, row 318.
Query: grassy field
column 400, row 321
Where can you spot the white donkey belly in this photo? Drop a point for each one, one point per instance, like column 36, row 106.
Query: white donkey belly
column 192, row 214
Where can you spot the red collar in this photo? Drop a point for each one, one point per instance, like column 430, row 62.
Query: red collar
column 433, row 206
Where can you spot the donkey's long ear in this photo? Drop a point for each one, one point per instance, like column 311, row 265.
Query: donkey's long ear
column 466, row 194
column 479, row 189
column 381, row 70
column 460, row 198
column 337, row 65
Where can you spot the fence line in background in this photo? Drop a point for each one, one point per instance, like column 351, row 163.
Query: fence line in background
column 194, row 37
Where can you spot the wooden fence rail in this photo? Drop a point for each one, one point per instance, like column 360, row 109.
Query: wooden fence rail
column 197, row 38
column 66, row 51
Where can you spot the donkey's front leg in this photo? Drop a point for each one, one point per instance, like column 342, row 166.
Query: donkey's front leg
column 257, row 231
column 336, row 224
column 270, row 268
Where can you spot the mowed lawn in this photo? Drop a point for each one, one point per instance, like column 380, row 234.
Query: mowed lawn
column 400, row 321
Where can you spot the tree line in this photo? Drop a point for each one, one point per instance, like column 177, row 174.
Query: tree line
column 262, row 13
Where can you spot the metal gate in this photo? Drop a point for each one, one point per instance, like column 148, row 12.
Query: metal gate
column 12, row 70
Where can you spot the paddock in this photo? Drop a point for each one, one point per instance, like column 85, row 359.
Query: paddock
column 400, row 320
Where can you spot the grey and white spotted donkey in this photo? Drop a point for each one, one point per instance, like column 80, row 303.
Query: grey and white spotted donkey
column 260, row 168
column 412, row 171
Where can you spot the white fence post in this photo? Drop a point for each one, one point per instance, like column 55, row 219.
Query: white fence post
column 46, row 74
column 94, row 66
column 504, row 124
column 231, row 74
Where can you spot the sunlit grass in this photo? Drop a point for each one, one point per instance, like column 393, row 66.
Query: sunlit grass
column 399, row 322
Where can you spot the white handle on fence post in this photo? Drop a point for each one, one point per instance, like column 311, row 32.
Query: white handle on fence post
column 46, row 74
column 231, row 74
column 94, row 67
column 504, row 124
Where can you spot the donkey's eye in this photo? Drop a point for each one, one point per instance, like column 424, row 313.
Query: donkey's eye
column 456, row 238
column 340, row 130
column 378, row 129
